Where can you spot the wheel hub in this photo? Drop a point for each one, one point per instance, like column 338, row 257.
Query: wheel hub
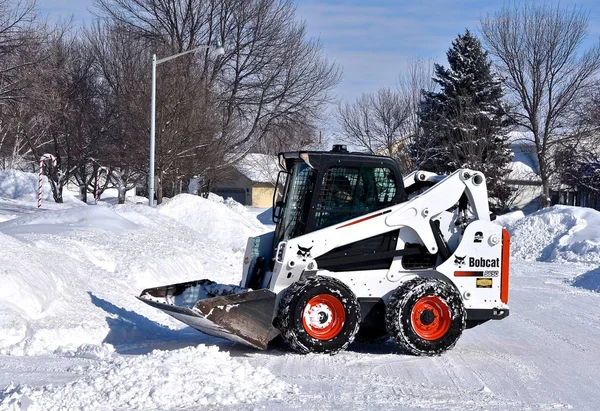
column 427, row 317
column 318, row 316
column 323, row 317
column 431, row 318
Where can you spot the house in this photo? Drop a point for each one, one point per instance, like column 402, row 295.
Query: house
column 524, row 178
column 251, row 181
column 583, row 193
column 524, row 175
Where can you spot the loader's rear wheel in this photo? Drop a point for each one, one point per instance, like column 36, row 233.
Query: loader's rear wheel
column 318, row 314
column 425, row 316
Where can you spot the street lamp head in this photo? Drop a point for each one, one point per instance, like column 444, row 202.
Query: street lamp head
column 219, row 50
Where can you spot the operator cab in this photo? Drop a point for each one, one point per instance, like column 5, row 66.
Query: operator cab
column 319, row 189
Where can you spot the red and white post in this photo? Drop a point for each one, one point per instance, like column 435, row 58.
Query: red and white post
column 43, row 159
column 97, row 185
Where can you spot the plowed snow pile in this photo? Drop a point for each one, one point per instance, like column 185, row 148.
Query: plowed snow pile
column 15, row 184
column 69, row 274
column 191, row 377
column 226, row 222
column 557, row 234
column 589, row 280
column 68, row 277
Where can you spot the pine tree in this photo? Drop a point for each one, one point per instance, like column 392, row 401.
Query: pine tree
column 463, row 125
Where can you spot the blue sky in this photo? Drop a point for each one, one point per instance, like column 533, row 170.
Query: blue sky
column 373, row 40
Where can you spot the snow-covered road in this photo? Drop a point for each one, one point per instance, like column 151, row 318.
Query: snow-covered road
column 544, row 356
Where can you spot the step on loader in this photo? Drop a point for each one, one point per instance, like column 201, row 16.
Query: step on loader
column 359, row 252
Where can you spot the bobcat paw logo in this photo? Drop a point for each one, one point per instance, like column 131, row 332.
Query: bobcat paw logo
column 459, row 260
column 304, row 252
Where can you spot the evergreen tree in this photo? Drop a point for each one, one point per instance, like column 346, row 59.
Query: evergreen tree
column 463, row 125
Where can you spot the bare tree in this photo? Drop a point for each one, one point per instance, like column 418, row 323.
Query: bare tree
column 21, row 51
column 290, row 137
column 578, row 158
column 537, row 49
column 417, row 78
column 375, row 122
column 386, row 122
column 65, row 98
column 123, row 82
column 17, row 32
column 271, row 76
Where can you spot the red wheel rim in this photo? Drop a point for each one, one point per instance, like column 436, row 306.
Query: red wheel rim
column 431, row 318
column 323, row 317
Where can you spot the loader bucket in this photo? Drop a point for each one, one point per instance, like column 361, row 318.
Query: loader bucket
column 225, row 311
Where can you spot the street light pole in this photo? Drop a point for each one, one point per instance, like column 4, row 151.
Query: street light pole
column 152, row 134
column 219, row 51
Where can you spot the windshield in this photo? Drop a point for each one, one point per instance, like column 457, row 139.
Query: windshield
column 293, row 219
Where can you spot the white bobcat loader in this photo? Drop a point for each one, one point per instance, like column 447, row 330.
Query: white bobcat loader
column 359, row 252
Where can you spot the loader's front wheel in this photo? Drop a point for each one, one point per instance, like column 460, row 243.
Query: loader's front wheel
column 318, row 314
column 425, row 316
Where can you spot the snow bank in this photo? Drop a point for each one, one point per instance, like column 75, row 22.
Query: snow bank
column 70, row 274
column 508, row 219
column 70, row 219
column 187, row 378
column 15, row 184
column 589, row 280
column 18, row 185
column 557, row 234
column 227, row 227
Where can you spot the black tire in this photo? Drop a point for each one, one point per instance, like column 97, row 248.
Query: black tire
column 437, row 322
column 296, row 328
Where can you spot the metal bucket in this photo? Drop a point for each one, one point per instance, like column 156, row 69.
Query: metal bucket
column 225, row 311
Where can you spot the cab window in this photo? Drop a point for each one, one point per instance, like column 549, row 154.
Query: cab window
column 348, row 192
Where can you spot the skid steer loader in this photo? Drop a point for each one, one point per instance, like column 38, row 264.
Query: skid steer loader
column 359, row 252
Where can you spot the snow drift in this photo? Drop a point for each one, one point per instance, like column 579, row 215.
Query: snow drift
column 63, row 267
column 69, row 276
column 557, row 234
column 191, row 377
column 19, row 185
column 589, row 280
column 15, row 184
column 228, row 227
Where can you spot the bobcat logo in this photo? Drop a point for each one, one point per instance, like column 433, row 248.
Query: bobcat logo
column 304, row 252
column 459, row 260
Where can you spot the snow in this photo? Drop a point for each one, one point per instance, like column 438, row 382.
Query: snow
column 509, row 218
column 226, row 221
column 524, row 165
column 63, row 265
column 73, row 335
column 19, row 185
column 589, row 280
column 558, row 234
column 187, row 380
